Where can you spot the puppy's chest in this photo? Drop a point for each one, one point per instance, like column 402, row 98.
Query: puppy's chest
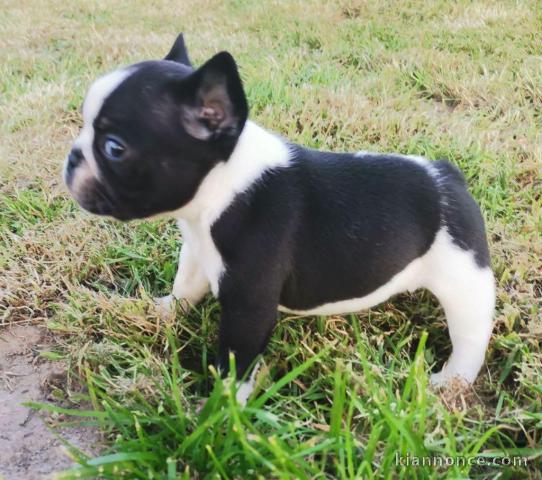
column 203, row 250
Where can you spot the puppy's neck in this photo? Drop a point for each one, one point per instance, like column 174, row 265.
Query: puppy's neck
column 256, row 152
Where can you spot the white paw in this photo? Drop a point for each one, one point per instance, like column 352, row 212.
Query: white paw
column 243, row 392
column 245, row 389
column 438, row 379
column 165, row 306
column 446, row 377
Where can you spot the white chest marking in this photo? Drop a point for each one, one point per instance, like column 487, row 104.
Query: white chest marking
column 256, row 152
column 202, row 247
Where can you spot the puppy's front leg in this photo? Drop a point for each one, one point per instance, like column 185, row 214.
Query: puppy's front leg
column 247, row 321
column 190, row 284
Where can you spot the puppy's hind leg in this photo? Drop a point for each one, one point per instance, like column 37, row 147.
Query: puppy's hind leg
column 467, row 294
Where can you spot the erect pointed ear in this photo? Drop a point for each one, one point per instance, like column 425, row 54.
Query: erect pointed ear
column 178, row 52
column 213, row 103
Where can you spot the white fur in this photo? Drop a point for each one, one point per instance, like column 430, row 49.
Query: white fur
column 245, row 389
column 96, row 95
column 467, row 294
column 190, row 282
column 362, row 153
column 424, row 162
column 243, row 392
column 256, row 152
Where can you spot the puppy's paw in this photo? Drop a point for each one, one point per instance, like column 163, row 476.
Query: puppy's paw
column 447, row 377
column 165, row 306
column 456, row 393
column 438, row 379
column 244, row 390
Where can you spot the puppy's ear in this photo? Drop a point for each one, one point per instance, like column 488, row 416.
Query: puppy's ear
column 178, row 52
column 213, row 103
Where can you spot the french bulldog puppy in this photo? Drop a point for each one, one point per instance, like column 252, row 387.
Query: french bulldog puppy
column 268, row 225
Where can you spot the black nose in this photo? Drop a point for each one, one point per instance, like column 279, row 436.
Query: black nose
column 74, row 158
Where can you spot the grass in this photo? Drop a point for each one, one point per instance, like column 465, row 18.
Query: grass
column 340, row 397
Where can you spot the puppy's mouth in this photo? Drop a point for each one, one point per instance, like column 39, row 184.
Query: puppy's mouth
column 97, row 201
column 99, row 198
column 92, row 196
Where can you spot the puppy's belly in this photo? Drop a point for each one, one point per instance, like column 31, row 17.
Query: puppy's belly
column 410, row 278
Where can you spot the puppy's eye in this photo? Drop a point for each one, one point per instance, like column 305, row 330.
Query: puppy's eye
column 113, row 148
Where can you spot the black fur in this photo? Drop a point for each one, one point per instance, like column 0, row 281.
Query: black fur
column 178, row 52
column 340, row 225
column 330, row 227
column 460, row 213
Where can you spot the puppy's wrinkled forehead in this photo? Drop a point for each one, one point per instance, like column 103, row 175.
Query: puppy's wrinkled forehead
column 135, row 94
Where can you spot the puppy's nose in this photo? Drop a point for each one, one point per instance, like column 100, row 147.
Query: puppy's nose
column 74, row 158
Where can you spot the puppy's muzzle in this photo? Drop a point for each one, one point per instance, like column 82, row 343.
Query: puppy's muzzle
column 75, row 158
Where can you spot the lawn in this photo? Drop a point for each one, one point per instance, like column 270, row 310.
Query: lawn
column 338, row 397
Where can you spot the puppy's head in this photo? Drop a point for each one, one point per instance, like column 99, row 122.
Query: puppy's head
column 151, row 133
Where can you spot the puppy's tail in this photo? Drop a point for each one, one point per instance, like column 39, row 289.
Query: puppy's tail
column 460, row 214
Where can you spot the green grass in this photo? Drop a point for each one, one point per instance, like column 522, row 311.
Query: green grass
column 339, row 397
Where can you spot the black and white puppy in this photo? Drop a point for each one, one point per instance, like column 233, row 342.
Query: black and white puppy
column 268, row 225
